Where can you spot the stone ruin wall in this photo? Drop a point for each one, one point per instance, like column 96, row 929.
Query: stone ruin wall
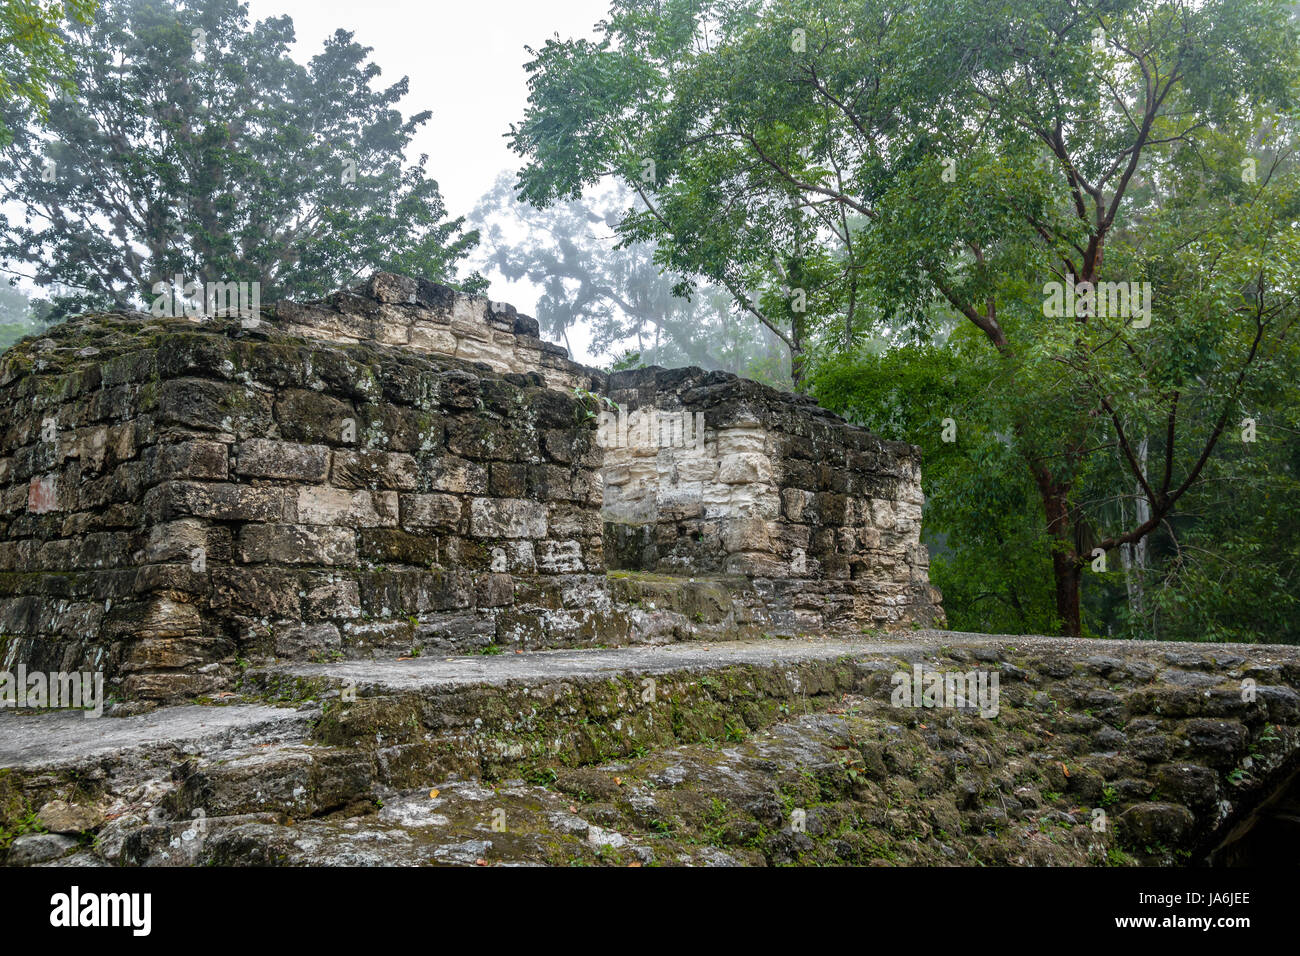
column 727, row 476
column 424, row 316
column 402, row 469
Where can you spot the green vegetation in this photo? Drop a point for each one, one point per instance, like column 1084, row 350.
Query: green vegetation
column 922, row 202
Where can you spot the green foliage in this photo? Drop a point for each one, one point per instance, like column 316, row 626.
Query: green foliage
column 195, row 146
column 33, row 64
column 912, row 171
column 990, row 557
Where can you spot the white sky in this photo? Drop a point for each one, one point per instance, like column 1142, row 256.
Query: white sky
column 465, row 61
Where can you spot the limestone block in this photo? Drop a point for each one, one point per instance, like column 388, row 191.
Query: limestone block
column 528, row 358
column 176, row 540
column 847, row 541
column 473, row 350
column 390, row 287
column 432, row 338
column 469, row 318
column 392, row 326
column 698, row 467
column 519, row 557
column 755, row 564
column 456, row 475
column 557, row 557
column 788, row 538
column 440, row 511
column 43, row 495
column 303, row 641
column 297, row 544
column 214, row 406
column 741, row 501
column 746, row 534
column 288, row 461
column 368, row 468
column 190, row 459
column 395, row 546
column 339, row 506
column 572, row 521
column 735, row 441
column 168, row 618
column 310, row 416
column 220, row 502
column 629, row 509
column 332, row 596
column 494, row 590
column 830, row 508
column 90, row 446
column 507, row 518
column 744, row 468
column 795, row 502
column 907, row 512
column 59, row 816
column 682, row 500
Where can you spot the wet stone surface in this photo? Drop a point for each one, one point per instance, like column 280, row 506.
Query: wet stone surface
column 1101, row 753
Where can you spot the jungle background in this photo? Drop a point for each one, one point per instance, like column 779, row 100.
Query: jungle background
column 863, row 201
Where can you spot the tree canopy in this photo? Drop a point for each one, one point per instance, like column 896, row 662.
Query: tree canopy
column 195, row 146
column 33, row 64
column 1097, row 198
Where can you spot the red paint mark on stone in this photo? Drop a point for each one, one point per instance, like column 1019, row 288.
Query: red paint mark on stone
column 43, row 495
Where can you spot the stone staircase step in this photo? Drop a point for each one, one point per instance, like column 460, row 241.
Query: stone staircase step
column 687, row 753
column 517, row 714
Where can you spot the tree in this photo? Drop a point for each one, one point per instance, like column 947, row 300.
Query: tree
column 989, row 553
column 33, row 65
column 587, row 276
column 196, row 147
column 912, row 164
column 19, row 315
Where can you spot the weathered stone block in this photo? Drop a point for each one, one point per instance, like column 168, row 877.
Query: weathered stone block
column 219, row 501
column 214, row 406
column 288, row 461
column 507, row 518
column 744, row 469
column 313, row 417
column 354, row 509
column 43, row 495
column 432, row 338
column 367, row 468
column 191, row 459
column 297, row 544
column 434, row 511
column 306, row 641
column 395, row 546
column 495, row 590
column 455, row 475
column 560, row 557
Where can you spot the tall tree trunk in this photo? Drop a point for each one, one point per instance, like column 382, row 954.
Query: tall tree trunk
column 1134, row 556
column 797, row 356
column 1067, row 567
column 1068, row 573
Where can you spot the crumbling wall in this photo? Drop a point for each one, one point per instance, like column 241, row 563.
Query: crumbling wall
column 401, row 468
column 707, row 472
column 180, row 496
column 421, row 316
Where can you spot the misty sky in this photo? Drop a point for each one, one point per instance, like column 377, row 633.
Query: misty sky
column 465, row 63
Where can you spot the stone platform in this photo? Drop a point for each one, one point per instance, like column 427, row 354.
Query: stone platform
column 741, row 752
